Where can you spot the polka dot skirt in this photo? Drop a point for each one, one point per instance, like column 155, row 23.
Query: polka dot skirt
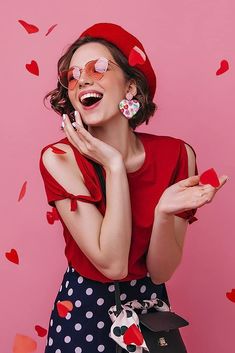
column 85, row 329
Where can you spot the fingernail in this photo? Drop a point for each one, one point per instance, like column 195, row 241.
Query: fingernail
column 63, row 116
column 74, row 124
column 62, row 124
column 75, row 113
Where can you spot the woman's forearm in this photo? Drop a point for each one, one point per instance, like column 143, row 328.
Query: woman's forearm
column 164, row 253
column 116, row 229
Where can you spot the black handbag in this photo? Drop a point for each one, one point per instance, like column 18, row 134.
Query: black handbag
column 160, row 329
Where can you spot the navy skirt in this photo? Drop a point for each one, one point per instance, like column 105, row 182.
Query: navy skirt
column 85, row 329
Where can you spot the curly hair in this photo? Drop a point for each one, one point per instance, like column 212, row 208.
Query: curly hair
column 59, row 99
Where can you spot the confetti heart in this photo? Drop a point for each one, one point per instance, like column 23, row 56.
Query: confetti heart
column 40, row 331
column 64, row 307
column 24, row 344
column 136, row 56
column 12, row 256
column 133, row 335
column 50, row 29
column 22, row 191
column 33, row 68
column 28, row 27
column 210, row 177
column 224, row 66
column 231, row 295
column 57, row 150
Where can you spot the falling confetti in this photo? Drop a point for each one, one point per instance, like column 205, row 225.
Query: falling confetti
column 40, row 331
column 231, row 295
column 50, row 29
column 22, row 191
column 12, row 256
column 33, row 68
column 63, row 307
column 224, row 66
column 28, row 27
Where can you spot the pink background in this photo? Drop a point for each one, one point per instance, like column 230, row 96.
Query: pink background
column 185, row 40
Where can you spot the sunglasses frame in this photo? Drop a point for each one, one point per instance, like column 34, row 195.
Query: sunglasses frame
column 81, row 70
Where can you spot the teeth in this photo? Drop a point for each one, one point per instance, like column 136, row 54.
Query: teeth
column 88, row 95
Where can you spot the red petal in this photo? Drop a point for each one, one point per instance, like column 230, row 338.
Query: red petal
column 210, row 177
column 33, row 68
column 24, row 344
column 57, row 150
column 50, row 29
column 50, row 217
column 224, row 66
column 22, row 191
column 133, row 335
column 28, row 27
column 40, row 331
column 12, row 256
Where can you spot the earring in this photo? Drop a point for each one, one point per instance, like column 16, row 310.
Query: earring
column 129, row 107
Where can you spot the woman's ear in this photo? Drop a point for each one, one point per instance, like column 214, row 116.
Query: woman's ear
column 132, row 87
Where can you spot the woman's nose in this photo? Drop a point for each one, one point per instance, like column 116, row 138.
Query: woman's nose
column 84, row 79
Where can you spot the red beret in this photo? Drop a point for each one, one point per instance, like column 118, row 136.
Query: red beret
column 129, row 45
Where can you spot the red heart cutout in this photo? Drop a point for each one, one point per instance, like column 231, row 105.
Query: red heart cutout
column 33, row 68
column 210, row 177
column 28, row 27
column 24, row 344
column 57, row 150
column 50, row 29
column 12, row 256
column 40, row 331
column 224, row 66
column 64, row 307
column 133, row 335
column 135, row 58
column 231, row 295
column 22, row 191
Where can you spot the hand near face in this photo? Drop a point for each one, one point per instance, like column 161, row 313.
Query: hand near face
column 187, row 194
column 90, row 146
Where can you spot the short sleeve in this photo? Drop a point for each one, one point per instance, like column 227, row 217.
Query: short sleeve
column 181, row 172
column 55, row 191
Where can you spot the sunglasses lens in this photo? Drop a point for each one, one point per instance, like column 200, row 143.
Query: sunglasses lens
column 91, row 70
column 68, row 78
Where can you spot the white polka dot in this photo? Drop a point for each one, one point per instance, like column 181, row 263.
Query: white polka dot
column 70, row 291
column 80, row 279
column 100, row 301
column 50, row 341
column 58, row 351
column 67, row 339
column 72, row 269
column 101, row 348
column 154, row 296
column 111, row 288
column 61, row 288
column 89, row 314
column 58, row 328
column 89, row 338
column 144, row 311
column 89, row 291
column 133, row 282
column 123, row 296
column 142, row 289
column 100, row 324
column 78, row 350
column 51, row 322
column 78, row 303
column 66, row 284
column 68, row 316
column 78, row 327
column 67, row 269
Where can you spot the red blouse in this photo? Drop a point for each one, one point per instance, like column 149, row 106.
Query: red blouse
column 166, row 162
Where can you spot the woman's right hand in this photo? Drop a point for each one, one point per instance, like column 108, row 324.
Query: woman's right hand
column 90, row 146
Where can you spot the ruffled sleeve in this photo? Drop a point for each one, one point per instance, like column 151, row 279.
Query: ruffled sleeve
column 181, row 172
column 55, row 191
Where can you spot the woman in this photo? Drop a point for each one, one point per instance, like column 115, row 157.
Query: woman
column 105, row 90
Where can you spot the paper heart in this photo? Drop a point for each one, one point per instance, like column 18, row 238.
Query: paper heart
column 22, row 191
column 28, row 27
column 50, row 29
column 24, row 344
column 224, row 66
column 40, row 331
column 64, row 307
column 12, row 256
column 231, row 295
column 33, row 68
column 133, row 335
column 136, row 56
column 57, row 150
column 210, row 177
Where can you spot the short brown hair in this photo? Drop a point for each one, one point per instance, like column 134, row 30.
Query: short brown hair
column 59, row 99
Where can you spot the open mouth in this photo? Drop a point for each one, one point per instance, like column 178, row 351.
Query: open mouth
column 90, row 99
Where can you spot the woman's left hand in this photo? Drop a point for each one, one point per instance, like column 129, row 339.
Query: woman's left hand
column 187, row 194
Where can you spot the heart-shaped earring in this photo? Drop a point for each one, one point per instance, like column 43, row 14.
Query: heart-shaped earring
column 129, row 107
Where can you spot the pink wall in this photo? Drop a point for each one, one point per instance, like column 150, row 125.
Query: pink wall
column 186, row 41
